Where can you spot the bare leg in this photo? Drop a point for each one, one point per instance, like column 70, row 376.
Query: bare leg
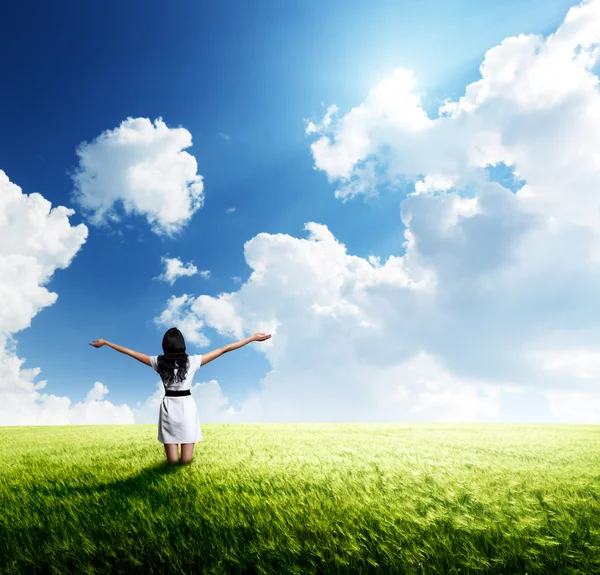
column 172, row 451
column 187, row 451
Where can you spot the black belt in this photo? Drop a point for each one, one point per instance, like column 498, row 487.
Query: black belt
column 177, row 392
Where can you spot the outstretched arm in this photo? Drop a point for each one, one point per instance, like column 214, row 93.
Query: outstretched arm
column 206, row 357
column 135, row 354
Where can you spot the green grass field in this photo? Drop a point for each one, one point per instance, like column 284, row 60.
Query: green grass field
column 302, row 498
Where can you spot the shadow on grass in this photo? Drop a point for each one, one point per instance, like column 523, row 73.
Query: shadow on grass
column 112, row 518
column 146, row 482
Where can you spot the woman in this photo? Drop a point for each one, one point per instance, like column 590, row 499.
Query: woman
column 178, row 416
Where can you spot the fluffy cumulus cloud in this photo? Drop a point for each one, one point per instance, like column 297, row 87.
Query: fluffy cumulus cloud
column 189, row 325
column 97, row 410
column 36, row 241
column 141, row 166
column 333, row 355
column 175, row 268
column 492, row 295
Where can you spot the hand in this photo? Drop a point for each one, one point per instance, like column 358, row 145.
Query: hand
column 261, row 336
column 98, row 343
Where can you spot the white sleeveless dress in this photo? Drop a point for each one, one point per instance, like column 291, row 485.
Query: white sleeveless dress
column 178, row 416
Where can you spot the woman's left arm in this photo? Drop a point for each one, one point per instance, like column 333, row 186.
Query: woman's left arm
column 135, row 354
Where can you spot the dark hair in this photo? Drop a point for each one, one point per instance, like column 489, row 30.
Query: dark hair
column 173, row 345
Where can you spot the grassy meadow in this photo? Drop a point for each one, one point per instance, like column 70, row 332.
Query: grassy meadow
column 302, row 498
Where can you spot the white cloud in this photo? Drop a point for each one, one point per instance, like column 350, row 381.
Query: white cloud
column 312, row 128
column 569, row 362
column 488, row 277
column 23, row 404
column 536, row 108
column 334, row 354
column 175, row 268
column 36, row 241
column 392, row 105
column 143, row 167
column 581, row 407
column 97, row 392
column 96, row 410
column 230, row 210
column 189, row 326
column 431, row 183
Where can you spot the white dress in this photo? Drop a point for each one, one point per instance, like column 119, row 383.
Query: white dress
column 178, row 416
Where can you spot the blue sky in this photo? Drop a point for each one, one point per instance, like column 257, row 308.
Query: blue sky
column 243, row 79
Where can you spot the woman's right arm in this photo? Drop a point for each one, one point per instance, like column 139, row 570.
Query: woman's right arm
column 206, row 357
column 135, row 354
